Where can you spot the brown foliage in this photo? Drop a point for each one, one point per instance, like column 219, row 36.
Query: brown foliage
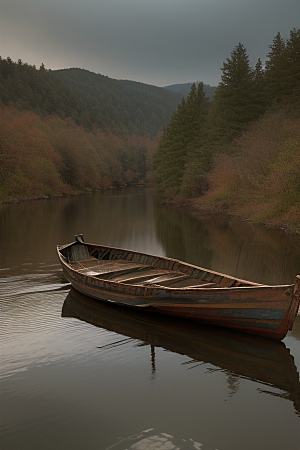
column 55, row 156
column 260, row 178
column 28, row 163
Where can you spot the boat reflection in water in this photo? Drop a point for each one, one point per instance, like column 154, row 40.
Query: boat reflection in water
column 239, row 355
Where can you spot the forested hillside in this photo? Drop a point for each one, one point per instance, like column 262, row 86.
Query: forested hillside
column 27, row 88
column 54, row 142
column 121, row 106
column 184, row 89
column 241, row 155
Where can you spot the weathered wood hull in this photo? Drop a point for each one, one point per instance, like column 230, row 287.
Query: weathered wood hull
column 268, row 311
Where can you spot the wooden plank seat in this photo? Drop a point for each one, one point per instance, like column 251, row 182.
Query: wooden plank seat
column 140, row 275
column 86, row 263
column 105, row 269
column 165, row 279
column 192, row 283
column 121, row 272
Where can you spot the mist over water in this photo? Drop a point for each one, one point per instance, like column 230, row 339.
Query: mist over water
column 78, row 374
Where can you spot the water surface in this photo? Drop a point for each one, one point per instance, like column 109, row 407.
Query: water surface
column 76, row 374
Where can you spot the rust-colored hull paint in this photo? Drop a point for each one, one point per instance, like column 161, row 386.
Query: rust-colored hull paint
column 267, row 311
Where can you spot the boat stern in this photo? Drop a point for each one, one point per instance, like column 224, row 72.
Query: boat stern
column 294, row 309
column 296, row 292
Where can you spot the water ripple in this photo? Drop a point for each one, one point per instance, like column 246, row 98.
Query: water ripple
column 30, row 283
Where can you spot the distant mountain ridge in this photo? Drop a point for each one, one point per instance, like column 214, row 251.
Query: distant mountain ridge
column 185, row 88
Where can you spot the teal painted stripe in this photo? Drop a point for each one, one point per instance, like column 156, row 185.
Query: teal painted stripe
column 248, row 324
column 243, row 324
column 241, row 313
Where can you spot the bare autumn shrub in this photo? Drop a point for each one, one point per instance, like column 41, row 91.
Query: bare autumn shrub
column 257, row 149
column 54, row 156
column 284, row 178
column 262, row 172
column 28, row 162
column 224, row 178
column 79, row 157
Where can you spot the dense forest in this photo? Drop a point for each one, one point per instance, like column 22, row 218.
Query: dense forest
column 121, row 106
column 242, row 154
column 37, row 90
column 72, row 131
column 184, row 89
column 89, row 99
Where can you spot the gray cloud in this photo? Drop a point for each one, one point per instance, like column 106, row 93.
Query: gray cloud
column 157, row 42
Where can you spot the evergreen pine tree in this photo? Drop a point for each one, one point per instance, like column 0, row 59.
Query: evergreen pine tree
column 235, row 101
column 259, row 81
column 293, row 67
column 181, row 138
column 276, row 70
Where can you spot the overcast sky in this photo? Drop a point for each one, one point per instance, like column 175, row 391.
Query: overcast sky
column 157, row 42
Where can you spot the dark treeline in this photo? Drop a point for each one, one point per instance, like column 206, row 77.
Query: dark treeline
column 184, row 89
column 119, row 105
column 89, row 99
column 246, row 145
column 38, row 90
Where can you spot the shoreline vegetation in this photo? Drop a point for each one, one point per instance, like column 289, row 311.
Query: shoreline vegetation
column 197, row 208
column 259, row 179
column 53, row 157
column 238, row 154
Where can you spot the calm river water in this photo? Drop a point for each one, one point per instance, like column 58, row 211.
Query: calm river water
column 76, row 374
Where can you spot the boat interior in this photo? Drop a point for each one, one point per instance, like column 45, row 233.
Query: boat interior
column 128, row 267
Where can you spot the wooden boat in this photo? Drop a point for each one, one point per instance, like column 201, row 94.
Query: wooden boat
column 265, row 361
column 180, row 289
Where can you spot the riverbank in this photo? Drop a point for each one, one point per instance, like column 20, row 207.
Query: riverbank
column 45, row 197
column 269, row 214
column 69, row 194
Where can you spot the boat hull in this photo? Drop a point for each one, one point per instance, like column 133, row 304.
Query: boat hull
column 267, row 311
